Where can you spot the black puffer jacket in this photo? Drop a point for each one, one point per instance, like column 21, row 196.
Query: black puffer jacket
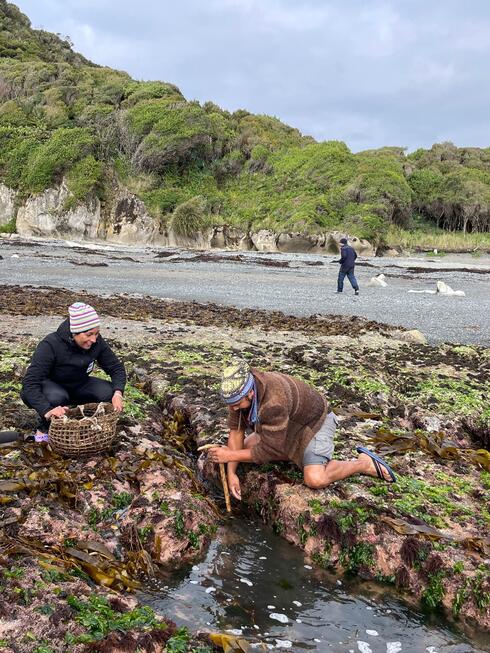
column 61, row 360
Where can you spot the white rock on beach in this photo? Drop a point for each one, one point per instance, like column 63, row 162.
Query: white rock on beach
column 393, row 647
column 364, row 647
column 441, row 289
column 444, row 289
column 377, row 282
column 279, row 617
column 413, row 336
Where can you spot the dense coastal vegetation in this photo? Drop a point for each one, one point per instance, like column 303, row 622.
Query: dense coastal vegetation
column 193, row 164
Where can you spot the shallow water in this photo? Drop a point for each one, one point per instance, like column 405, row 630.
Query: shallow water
column 254, row 583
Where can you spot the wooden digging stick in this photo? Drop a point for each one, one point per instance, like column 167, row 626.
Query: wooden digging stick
column 224, row 481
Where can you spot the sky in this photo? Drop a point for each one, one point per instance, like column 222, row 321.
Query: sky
column 372, row 73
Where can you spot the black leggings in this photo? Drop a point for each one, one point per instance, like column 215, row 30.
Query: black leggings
column 94, row 390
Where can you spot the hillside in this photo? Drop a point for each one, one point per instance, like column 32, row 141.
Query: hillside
column 193, row 165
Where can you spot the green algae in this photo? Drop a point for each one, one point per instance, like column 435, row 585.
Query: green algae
column 454, row 396
column 433, row 503
column 433, row 594
column 98, row 618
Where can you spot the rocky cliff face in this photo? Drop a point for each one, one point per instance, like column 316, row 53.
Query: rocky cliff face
column 46, row 215
column 126, row 220
column 7, row 204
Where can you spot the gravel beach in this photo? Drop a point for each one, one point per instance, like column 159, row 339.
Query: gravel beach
column 297, row 284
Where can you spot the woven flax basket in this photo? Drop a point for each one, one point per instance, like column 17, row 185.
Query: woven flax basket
column 83, row 430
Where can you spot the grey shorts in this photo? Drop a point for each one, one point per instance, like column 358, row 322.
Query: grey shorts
column 320, row 449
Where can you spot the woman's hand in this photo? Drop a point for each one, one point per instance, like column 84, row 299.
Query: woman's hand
column 234, row 485
column 59, row 411
column 118, row 402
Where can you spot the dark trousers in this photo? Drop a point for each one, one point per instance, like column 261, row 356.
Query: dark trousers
column 350, row 275
column 93, row 391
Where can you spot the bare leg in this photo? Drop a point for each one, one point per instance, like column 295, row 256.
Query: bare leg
column 319, row 476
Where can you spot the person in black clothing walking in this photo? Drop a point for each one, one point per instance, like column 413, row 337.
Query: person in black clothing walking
column 59, row 371
column 347, row 260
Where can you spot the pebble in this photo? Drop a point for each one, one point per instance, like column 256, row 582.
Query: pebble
column 279, row 617
column 194, row 582
column 298, row 621
column 283, row 643
column 271, row 607
column 195, row 568
column 339, row 582
column 364, row 647
column 210, row 589
column 246, row 581
column 393, row 647
column 235, row 631
column 308, row 567
column 374, row 633
column 298, row 603
column 263, row 558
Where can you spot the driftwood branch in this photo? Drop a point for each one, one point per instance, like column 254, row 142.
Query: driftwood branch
column 224, row 480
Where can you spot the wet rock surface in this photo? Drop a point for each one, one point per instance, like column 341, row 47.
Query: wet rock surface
column 115, row 518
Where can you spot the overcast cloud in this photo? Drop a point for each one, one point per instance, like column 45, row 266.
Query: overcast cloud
column 370, row 73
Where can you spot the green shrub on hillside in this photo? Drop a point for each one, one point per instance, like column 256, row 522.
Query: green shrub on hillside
column 190, row 217
column 366, row 221
column 83, row 179
column 9, row 227
column 11, row 113
column 16, row 145
column 164, row 200
column 138, row 91
column 55, row 156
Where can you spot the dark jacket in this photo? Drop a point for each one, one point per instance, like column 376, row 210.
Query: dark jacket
column 348, row 257
column 59, row 359
column 290, row 413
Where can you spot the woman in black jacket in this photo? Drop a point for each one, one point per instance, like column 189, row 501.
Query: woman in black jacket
column 59, row 372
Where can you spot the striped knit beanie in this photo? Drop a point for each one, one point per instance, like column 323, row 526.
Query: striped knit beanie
column 236, row 381
column 82, row 317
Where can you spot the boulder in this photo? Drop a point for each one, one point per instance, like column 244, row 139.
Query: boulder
column 413, row 336
column 377, row 282
column 7, row 204
column 129, row 222
column 391, row 252
column 264, row 240
column 363, row 247
column 301, row 243
column 226, row 237
column 444, row 289
column 45, row 215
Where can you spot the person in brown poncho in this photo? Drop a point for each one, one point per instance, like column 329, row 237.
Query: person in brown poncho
column 287, row 420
